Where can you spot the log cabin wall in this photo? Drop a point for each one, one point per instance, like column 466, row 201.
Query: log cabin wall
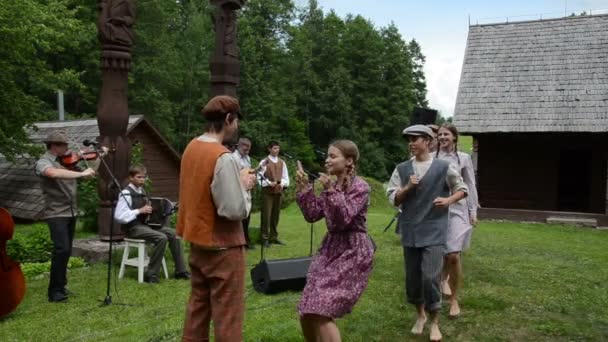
column 530, row 171
column 163, row 169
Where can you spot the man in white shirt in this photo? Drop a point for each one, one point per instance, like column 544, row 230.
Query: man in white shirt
column 274, row 178
column 241, row 154
column 132, row 210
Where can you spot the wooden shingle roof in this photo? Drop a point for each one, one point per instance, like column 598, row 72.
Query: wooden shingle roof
column 77, row 130
column 535, row 76
column 20, row 191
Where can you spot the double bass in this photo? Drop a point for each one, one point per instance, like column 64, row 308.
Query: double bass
column 12, row 281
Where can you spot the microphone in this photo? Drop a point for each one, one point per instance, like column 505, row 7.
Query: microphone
column 286, row 155
column 88, row 142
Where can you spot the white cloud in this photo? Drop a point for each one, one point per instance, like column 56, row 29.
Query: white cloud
column 442, row 72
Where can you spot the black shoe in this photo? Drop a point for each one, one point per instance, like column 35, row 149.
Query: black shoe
column 266, row 244
column 182, row 275
column 58, row 298
column 278, row 242
column 151, row 279
column 67, row 292
column 249, row 246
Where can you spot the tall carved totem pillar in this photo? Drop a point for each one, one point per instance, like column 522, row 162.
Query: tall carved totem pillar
column 224, row 65
column 115, row 31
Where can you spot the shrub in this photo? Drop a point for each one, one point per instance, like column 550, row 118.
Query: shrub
column 33, row 269
column 88, row 202
column 32, row 246
column 76, row 262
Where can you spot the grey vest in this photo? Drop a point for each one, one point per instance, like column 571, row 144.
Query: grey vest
column 59, row 194
column 137, row 201
column 420, row 222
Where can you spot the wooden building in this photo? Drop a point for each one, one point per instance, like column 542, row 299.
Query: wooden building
column 534, row 96
column 20, row 189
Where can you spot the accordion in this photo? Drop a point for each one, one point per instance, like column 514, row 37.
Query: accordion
column 162, row 209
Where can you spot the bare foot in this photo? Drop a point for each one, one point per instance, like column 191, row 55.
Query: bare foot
column 445, row 288
column 435, row 333
column 419, row 325
column 454, row 309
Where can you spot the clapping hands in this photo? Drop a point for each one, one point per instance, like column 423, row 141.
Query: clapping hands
column 326, row 181
column 301, row 178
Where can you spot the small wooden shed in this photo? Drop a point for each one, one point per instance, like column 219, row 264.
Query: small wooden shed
column 534, row 96
column 20, row 189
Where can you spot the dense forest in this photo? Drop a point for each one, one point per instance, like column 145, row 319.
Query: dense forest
column 308, row 76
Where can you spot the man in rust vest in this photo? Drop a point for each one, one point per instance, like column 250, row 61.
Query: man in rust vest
column 213, row 199
column 275, row 179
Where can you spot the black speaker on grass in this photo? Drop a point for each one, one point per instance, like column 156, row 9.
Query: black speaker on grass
column 274, row 276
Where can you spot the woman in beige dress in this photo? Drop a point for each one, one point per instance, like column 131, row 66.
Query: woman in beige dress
column 463, row 215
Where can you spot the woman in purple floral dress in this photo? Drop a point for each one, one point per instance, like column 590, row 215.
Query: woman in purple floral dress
column 339, row 272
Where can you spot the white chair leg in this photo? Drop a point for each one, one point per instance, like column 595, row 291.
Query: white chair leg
column 141, row 264
column 165, row 268
column 125, row 257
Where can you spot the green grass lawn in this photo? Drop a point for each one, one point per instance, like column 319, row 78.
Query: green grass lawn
column 524, row 282
column 465, row 143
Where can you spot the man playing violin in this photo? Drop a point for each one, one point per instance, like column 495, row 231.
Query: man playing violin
column 132, row 210
column 59, row 189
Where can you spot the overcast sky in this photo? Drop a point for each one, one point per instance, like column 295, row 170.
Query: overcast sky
column 441, row 29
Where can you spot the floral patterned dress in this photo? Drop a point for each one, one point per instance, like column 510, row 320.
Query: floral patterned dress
column 339, row 272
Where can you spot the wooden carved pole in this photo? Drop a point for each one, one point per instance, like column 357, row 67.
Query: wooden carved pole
column 224, row 64
column 115, row 31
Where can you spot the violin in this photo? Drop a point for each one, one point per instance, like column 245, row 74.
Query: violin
column 12, row 281
column 71, row 159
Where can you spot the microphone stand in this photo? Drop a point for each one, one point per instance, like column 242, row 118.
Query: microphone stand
column 312, row 177
column 108, row 299
column 261, row 178
column 391, row 222
column 312, row 224
column 310, row 174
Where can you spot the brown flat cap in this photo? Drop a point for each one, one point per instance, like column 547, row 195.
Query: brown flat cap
column 220, row 106
column 57, row 137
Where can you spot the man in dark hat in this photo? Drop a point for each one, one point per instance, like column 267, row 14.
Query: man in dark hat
column 60, row 209
column 421, row 188
column 213, row 200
